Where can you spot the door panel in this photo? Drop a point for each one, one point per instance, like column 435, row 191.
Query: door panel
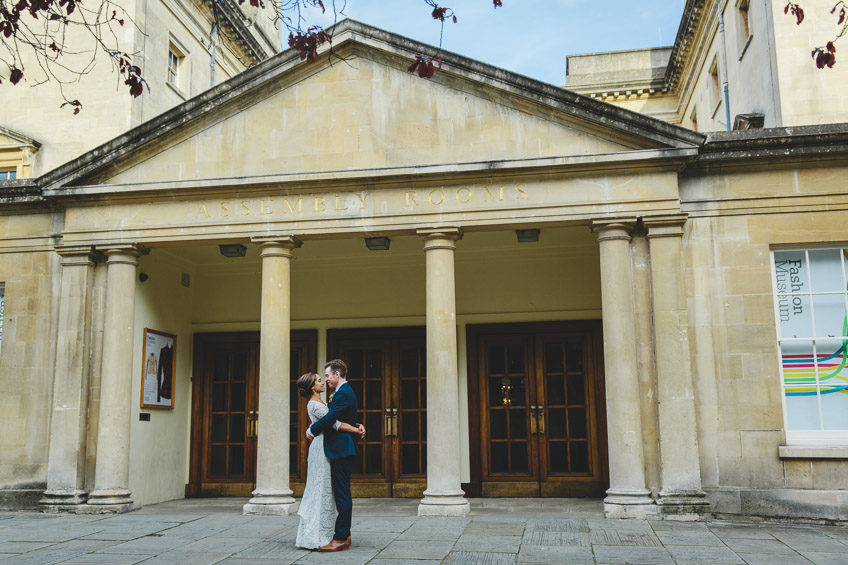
column 225, row 413
column 387, row 370
column 536, row 391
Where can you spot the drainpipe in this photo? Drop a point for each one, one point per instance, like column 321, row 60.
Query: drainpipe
column 724, row 65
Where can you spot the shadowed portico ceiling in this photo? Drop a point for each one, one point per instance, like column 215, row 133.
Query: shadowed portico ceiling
column 363, row 116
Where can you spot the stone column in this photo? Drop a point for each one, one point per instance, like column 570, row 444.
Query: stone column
column 112, row 470
column 627, row 496
column 66, row 454
column 680, row 470
column 444, row 495
column 273, row 495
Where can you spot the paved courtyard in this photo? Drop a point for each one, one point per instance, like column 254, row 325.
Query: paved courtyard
column 387, row 531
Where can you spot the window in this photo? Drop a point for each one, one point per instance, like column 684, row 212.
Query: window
column 743, row 26
column 174, row 64
column 714, row 88
column 8, row 175
column 811, row 303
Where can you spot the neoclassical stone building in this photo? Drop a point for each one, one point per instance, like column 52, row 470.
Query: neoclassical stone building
column 538, row 294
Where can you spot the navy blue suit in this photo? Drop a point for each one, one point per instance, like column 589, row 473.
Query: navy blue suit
column 340, row 449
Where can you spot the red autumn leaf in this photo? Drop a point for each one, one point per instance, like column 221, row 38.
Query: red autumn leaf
column 498, row 3
column 16, row 75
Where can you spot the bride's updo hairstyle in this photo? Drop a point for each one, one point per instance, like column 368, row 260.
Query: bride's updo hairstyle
column 305, row 384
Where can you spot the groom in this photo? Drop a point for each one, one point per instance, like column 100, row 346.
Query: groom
column 339, row 448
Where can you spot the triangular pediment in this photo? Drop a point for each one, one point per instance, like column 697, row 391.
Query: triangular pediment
column 12, row 138
column 361, row 110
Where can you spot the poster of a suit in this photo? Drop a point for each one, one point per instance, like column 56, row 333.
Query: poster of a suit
column 159, row 363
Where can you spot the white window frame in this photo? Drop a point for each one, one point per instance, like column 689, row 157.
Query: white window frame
column 804, row 437
column 8, row 174
column 181, row 74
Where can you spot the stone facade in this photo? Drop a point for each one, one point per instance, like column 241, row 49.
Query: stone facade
column 664, row 234
column 108, row 109
column 762, row 55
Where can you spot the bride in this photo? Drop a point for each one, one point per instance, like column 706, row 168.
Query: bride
column 318, row 507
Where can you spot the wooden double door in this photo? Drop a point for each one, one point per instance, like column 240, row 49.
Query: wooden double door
column 387, row 368
column 537, row 410
column 225, row 412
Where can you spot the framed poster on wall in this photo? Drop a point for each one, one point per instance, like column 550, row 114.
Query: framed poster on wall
column 158, row 367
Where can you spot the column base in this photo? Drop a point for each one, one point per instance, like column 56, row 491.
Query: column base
column 684, row 506
column 106, row 508
column 279, row 503
column 451, row 503
column 62, row 500
column 630, row 504
column 110, row 497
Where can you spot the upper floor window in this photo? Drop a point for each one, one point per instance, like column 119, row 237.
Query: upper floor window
column 174, row 64
column 713, row 87
column 811, row 308
column 743, row 26
column 9, row 174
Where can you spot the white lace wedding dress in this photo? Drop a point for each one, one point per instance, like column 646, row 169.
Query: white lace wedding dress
column 317, row 507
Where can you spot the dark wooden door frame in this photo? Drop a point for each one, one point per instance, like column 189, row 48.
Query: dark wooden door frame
column 306, row 338
column 474, row 333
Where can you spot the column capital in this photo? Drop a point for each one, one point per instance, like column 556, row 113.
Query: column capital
column 122, row 252
column 276, row 245
column 441, row 237
column 83, row 255
column 613, row 228
column 665, row 226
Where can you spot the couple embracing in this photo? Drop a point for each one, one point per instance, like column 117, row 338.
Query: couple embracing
column 326, row 506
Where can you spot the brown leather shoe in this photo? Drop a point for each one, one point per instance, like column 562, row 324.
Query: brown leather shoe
column 336, row 545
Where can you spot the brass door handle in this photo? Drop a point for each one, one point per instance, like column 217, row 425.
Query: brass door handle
column 390, row 423
column 540, row 416
column 533, row 423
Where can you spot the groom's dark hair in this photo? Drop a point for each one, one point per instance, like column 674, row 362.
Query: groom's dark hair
column 337, row 365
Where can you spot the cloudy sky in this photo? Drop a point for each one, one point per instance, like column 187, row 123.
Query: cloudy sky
column 530, row 37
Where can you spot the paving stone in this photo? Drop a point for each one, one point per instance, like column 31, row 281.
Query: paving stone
column 378, row 561
column 108, row 535
column 373, row 539
column 688, row 538
column 354, row 556
column 145, row 546
column 381, row 524
column 491, row 544
column 99, row 558
column 746, row 545
column 702, row 554
column 272, row 550
column 22, row 546
column 671, row 525
column 216, row 544
column 478, row 558
column 575, row 539
column 431, row 532
column 401, row 549
column 185, row 558
column 807, row 540
column 640, row 525
column 253, row 530
column 749, row 531
column 610, row 554
column 45, row 556
column 495, row 528
column 548, row 554
column 626, row 537
column 84, row 545
column 542, row 525
column 773, row 558
column 826, row 558
column 194, row 531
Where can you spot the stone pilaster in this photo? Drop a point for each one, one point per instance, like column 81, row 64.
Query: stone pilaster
column 444, row 495
column 627, row 496
column 680, row 493
column 112, row 470
column 273, row 495
column 67, row 451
